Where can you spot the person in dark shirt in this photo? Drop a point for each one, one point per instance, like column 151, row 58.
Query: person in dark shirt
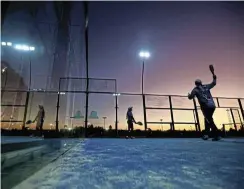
column 205, row 99
column 40, row 120
column 130, row 120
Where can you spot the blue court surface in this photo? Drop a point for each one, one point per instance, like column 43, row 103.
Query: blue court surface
column 144, row 164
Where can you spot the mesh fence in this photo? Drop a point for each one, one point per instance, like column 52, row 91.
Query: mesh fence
column 95, row 85
column 156, row 101
column 182, row 102
column 12, row 109
column 228, row 102
column 102, row 85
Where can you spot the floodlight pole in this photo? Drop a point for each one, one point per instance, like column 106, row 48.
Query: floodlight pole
column 143, row 96
column 87, row 68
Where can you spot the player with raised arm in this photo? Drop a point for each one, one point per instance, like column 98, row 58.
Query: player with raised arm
column 205, row 99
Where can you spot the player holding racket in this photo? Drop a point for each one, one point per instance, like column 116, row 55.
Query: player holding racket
column 130, row 121
column 205, row 99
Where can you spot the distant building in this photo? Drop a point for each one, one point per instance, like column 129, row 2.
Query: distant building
column 10, row 80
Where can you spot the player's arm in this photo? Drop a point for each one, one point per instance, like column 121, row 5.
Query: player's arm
column 35, row 118
column 192, row 94
column 211, row 85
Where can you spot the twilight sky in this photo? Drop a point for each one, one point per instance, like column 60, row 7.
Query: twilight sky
column 182, row 37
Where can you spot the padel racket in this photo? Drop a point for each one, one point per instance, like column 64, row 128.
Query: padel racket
column 211, row 67
column 28, row 122
column 139, row 123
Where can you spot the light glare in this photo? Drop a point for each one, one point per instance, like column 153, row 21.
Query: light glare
column 24, row 47
column 3, row 43
column 116, row 94
column 144, row 54
column 4, row 69
column 19, row 47
column 141, row 54
column 9, row 44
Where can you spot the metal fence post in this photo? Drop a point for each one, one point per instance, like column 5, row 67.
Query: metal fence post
column 233, row 118
column 57, row 112
column 86, row 110
column 196, row 126
column 144, row 111
column 26, row 108
column 58, row 105
column 241, row 108
column 171, row 113
column 196, row 113
column 217, row 99
column 116, row 114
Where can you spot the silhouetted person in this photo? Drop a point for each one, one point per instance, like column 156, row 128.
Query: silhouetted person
column 40, row 120
column 203, row 94
column 110, row 127
column 130, row 121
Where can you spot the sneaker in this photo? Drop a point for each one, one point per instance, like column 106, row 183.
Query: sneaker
column 216, row 138
column 205, row 137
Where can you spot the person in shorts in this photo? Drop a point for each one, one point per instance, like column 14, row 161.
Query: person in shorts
column 205, row 99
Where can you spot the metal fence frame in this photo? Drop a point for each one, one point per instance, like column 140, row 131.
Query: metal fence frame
column 14, row 105
column 87, row 92
column 171, row 108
